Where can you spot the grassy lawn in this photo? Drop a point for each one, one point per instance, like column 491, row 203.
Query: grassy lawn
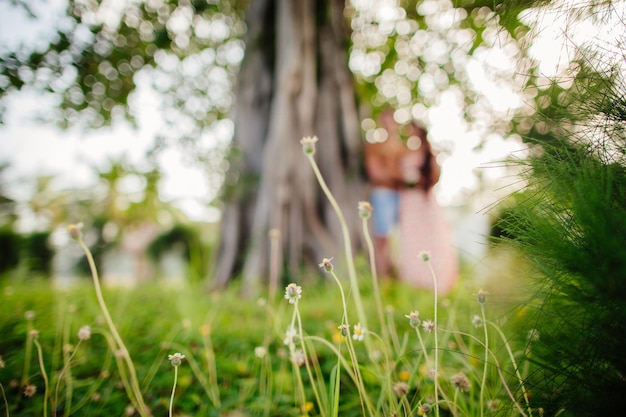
column 236, row 361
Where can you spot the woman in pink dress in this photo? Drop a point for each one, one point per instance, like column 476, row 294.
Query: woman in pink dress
column 422, row 223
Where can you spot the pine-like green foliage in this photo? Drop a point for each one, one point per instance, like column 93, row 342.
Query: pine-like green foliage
column 571, row 226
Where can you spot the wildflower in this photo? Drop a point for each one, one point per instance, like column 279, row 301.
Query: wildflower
column 130, row 410
column 358, row 333
column 95, row 397
column 34, row 334
column 326, row 264
column 308, row 144
column 260, row 352
column 338, row 338
column 461, row 381
column 84, row 333
column 477, row 321
column 290, row 335
column 293, row 293
column 376, row 355
column 308, row 406
column 401, row 388
column 75, row 230
column 428, row 326
column 430, row 373
column 297, row 357
column 425, row 255
column 176, row 358
column 343, row 330
column 423, row 409
column 2, row 364
column 365, row 209
column 30, row 390
column 482, row 296
column 404, row 375
column 29, row 315
column 492, row 405
column 414, row 319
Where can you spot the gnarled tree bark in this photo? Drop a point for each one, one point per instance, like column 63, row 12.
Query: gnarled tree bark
column 294, row 82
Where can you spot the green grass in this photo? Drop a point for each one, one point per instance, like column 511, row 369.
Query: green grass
column 218, row 333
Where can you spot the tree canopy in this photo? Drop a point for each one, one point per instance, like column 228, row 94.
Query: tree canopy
column 220, row 71
column 403, row 53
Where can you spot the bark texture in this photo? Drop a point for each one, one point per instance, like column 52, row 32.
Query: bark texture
column 294, row 82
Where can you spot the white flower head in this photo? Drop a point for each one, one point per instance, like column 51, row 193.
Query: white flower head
column 461, row 381
column 308, row 144
column 400, row 388
column 84, row 333
column 75, row 230
column 326, row 264
column 298, row 358
column 365, row 209
column 477, row 321
column 414, row 318
column 358, row 332
column 30, row 390
column 428, row 326
column 176, row 359
column 293, row 293
column 290, row 335
column 260, row 352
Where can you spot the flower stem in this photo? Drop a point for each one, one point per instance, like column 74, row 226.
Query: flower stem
column 436, row 365
column 28, row 350
column 484, row 380
column 173, row 389
column 4, row 397
column 65, row 374
column 346, row 240
column 515, row 367
column 377, row 297
column 44, row 375
column 142, row 408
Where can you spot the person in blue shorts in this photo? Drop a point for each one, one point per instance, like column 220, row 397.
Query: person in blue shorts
column 383, row 168
column 399, row 163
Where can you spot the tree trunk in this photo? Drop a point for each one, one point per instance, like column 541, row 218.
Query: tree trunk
column 294, row 82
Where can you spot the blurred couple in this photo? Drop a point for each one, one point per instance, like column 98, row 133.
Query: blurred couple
column 402, row 170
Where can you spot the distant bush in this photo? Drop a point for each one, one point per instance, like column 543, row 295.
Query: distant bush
column 188, row 240
column 36, row 252
column 9, row 247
